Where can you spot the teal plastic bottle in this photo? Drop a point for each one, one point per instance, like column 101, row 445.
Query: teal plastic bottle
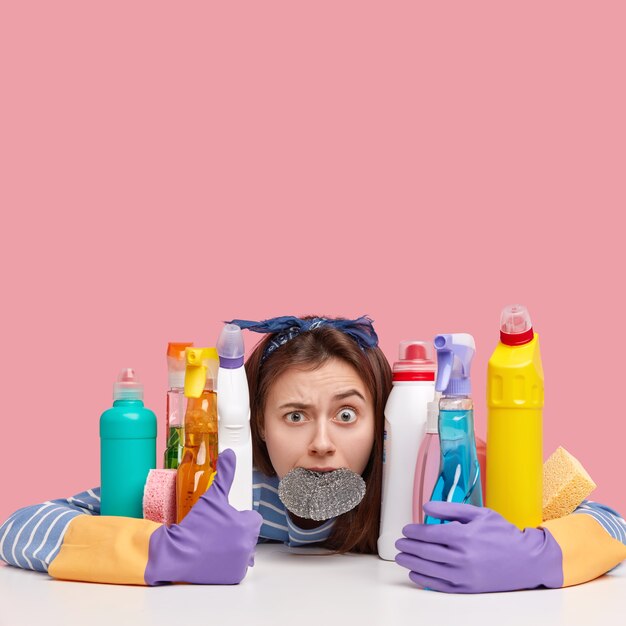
column 128, row 433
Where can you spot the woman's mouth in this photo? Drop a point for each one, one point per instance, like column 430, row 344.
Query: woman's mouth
column 321, row 469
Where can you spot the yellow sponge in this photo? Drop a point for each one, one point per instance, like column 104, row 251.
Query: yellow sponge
column 566, row 484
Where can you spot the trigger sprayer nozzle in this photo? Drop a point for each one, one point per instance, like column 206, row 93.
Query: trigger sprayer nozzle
column 199, row 370
column 455, row 353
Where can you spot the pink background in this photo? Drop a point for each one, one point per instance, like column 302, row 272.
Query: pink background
column 165, row 167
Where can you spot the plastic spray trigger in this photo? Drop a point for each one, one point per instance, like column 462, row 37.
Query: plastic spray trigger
column 195, row 376
column 455, row 353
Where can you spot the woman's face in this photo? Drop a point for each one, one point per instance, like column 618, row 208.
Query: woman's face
column 320, row 419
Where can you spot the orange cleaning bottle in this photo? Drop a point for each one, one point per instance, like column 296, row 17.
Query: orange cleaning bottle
column 199, row 458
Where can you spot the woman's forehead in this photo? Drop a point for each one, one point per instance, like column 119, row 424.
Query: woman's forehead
column 335, row 379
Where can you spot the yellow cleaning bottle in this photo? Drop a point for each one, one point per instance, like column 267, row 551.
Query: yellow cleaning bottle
column 514, row 421
column 199, row 458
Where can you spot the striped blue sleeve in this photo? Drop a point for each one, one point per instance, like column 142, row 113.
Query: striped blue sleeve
column 610, row 519
column 266, row 502
column 32, row 536
column 277, row 525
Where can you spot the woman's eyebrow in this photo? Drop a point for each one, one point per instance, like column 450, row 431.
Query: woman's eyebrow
column 295, row 405
column 347, row 394
column 340, row 396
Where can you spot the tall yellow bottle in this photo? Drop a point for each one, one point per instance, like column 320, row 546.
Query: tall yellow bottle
column 514, row 421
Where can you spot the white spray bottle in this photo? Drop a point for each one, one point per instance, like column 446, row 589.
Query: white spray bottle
column 233, row 410
column 405, row 426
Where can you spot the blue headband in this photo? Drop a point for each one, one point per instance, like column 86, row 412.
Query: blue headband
column 287, row 327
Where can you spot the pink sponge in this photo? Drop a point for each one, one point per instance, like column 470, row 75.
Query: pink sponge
column 159, row 496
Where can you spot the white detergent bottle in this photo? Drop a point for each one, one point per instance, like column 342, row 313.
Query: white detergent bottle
column 233, row 410
column 405, row 426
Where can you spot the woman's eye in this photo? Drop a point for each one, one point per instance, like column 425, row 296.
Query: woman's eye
column 295, row 417
column 346, row 416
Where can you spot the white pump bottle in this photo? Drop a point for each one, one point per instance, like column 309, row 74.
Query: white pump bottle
column 233, row 410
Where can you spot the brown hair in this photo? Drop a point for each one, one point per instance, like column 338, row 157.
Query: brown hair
column 356, row 530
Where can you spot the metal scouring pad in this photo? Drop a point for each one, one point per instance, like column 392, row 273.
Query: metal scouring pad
column 321, row 495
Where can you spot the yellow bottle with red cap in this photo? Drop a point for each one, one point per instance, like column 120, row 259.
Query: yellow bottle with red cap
column 515, row 422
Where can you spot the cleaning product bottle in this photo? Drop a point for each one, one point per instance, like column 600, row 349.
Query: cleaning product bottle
column 233, row 412
column 514, row 421
column 128, row 433
column 405, row 424
column 199, row 463
column 176, row 404
column 459, row 470
column 427, row 466
column 428, row 459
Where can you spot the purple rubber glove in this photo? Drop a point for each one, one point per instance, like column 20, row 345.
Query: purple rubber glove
column 477, row 552
column 213, row 545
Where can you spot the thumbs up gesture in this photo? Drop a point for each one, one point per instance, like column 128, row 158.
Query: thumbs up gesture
column 213, row 545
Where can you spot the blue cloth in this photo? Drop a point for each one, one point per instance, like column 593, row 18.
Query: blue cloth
column 286, row 327
column 32, row 537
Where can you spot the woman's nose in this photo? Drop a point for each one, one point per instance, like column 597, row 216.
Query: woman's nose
column 321, row 444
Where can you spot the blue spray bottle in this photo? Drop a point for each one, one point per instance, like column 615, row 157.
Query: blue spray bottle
column 459, row 471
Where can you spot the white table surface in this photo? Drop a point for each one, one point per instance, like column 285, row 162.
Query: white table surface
column 288, row 587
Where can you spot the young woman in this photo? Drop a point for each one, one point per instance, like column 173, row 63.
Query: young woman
column 318, row 388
